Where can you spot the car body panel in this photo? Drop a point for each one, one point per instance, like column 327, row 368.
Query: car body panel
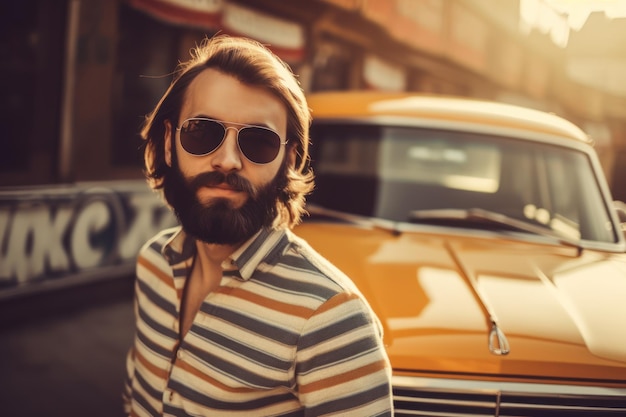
column 434, row 293
column 450, row 110
column 442, row 291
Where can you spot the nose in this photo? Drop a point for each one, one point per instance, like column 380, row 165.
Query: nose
column 227, row 157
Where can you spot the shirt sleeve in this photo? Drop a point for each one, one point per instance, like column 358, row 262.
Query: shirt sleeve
column 130, row 370
column 341, row 364
column 127, row 393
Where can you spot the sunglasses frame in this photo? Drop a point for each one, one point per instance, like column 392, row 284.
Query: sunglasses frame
column 242, row 126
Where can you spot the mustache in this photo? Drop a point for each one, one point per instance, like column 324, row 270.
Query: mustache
column 214, row 178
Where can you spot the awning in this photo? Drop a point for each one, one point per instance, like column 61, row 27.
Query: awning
column 284, row 37
column 205, row 14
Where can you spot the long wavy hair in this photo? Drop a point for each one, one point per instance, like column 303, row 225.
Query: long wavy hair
column 253, row 64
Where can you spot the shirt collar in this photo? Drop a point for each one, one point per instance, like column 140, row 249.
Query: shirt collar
column 264, row 244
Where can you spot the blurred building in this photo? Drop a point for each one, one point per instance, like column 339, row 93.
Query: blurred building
column 78, row 76
column 596, row 57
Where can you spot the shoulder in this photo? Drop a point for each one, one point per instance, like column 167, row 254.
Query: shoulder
column 308, row 259
column 346, row 291
column 311, row 276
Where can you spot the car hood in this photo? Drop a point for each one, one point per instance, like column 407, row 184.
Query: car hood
column 438, row 294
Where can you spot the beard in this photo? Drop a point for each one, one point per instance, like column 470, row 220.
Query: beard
column 219, row 221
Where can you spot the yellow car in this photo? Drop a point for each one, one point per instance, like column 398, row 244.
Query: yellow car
column 486, row 240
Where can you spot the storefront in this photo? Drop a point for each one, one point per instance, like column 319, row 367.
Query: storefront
column 82, row 75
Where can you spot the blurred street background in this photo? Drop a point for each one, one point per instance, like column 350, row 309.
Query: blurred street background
column 78, row 77
column 62, row 353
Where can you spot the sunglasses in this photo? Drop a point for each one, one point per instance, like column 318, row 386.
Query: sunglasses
column 201, row 136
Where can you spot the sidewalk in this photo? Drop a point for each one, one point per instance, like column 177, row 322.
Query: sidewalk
column 67, row 357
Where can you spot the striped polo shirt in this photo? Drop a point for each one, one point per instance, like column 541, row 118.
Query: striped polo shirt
column 285, row 334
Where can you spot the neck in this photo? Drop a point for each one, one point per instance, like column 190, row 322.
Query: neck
column 206, row 270
column 214, row 253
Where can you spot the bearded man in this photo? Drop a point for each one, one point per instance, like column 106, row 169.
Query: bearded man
column 235, row 315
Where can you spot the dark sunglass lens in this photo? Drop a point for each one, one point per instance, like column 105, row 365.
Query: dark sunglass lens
column 259, row 145
column 200, row 137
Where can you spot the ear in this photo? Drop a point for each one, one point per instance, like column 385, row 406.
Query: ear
column 291, row 156
column 167, row 142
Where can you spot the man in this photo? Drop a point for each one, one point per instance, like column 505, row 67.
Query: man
column 236, row 316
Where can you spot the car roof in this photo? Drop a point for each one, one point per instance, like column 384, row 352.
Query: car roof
column 370, row 105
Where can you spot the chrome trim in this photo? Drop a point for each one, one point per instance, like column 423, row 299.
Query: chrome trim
column 499, row 386
column 439, row 397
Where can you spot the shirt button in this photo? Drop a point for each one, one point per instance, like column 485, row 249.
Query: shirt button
column 169, row 394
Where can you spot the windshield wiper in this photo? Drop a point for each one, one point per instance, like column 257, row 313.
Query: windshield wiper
column 478, row 217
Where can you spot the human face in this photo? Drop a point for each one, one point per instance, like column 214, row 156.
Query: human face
column 222, row 197
column 215, row 95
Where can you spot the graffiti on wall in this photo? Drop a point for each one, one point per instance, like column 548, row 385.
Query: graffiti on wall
column 53, row 233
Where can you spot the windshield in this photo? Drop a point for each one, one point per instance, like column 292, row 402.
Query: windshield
column 393, row 172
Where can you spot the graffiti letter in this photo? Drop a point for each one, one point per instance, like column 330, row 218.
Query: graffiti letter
column 57, row 256
column 93, row 218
